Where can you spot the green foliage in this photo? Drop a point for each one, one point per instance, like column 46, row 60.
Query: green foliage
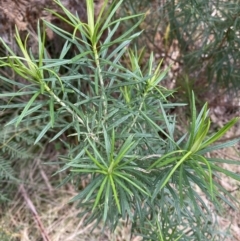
column 213, row 25
column 206, row 32
column 16, row 148
column 4, row 236
column 121, row 135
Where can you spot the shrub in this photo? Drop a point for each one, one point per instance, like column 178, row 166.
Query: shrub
column 204, row 32
column 121, row 134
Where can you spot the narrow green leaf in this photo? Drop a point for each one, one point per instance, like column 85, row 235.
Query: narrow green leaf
column 51, row 111
column 219, row 146
column 181, row 182
column 43, row 132
column 221, row 132
column 41, row 42
column 160, row 162
column 115, row 193
column 204, row 160
column 124, row 150
column 110, row 15
column 90, row 16
column 123, row 176
column 197, row 142
column 87, row 193
column 90, row 171
column 126, row 189
column 159, row 183
column 18, row 93
column 120, row 121
column 23, row 114
column 170, row 127
column 193, row 124
column 187, row 155
column 156, row 126
column 125, row 205
column 106, row 203
column 226, row 172
column 107, row 144
column 112, row 145
column 100, row 192
column 62, row 131
column 73, row 19
column 96, row 152
column 30, row 111
column 95, row 160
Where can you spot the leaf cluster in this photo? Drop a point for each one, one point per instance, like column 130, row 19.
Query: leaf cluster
column 121, row 136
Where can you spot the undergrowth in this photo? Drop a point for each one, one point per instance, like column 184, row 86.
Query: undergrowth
column 205, row 33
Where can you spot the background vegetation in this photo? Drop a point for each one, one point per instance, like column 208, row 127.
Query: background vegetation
column 102, row 114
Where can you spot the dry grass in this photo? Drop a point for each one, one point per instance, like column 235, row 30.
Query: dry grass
column 41, row 212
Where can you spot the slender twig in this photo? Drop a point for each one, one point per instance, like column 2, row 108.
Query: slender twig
column 103, row 95
column 34, row 212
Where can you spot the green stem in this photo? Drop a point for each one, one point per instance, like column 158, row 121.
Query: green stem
column 175, row 168
column 139, row 109
column 62, row 103
column 103, row 96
